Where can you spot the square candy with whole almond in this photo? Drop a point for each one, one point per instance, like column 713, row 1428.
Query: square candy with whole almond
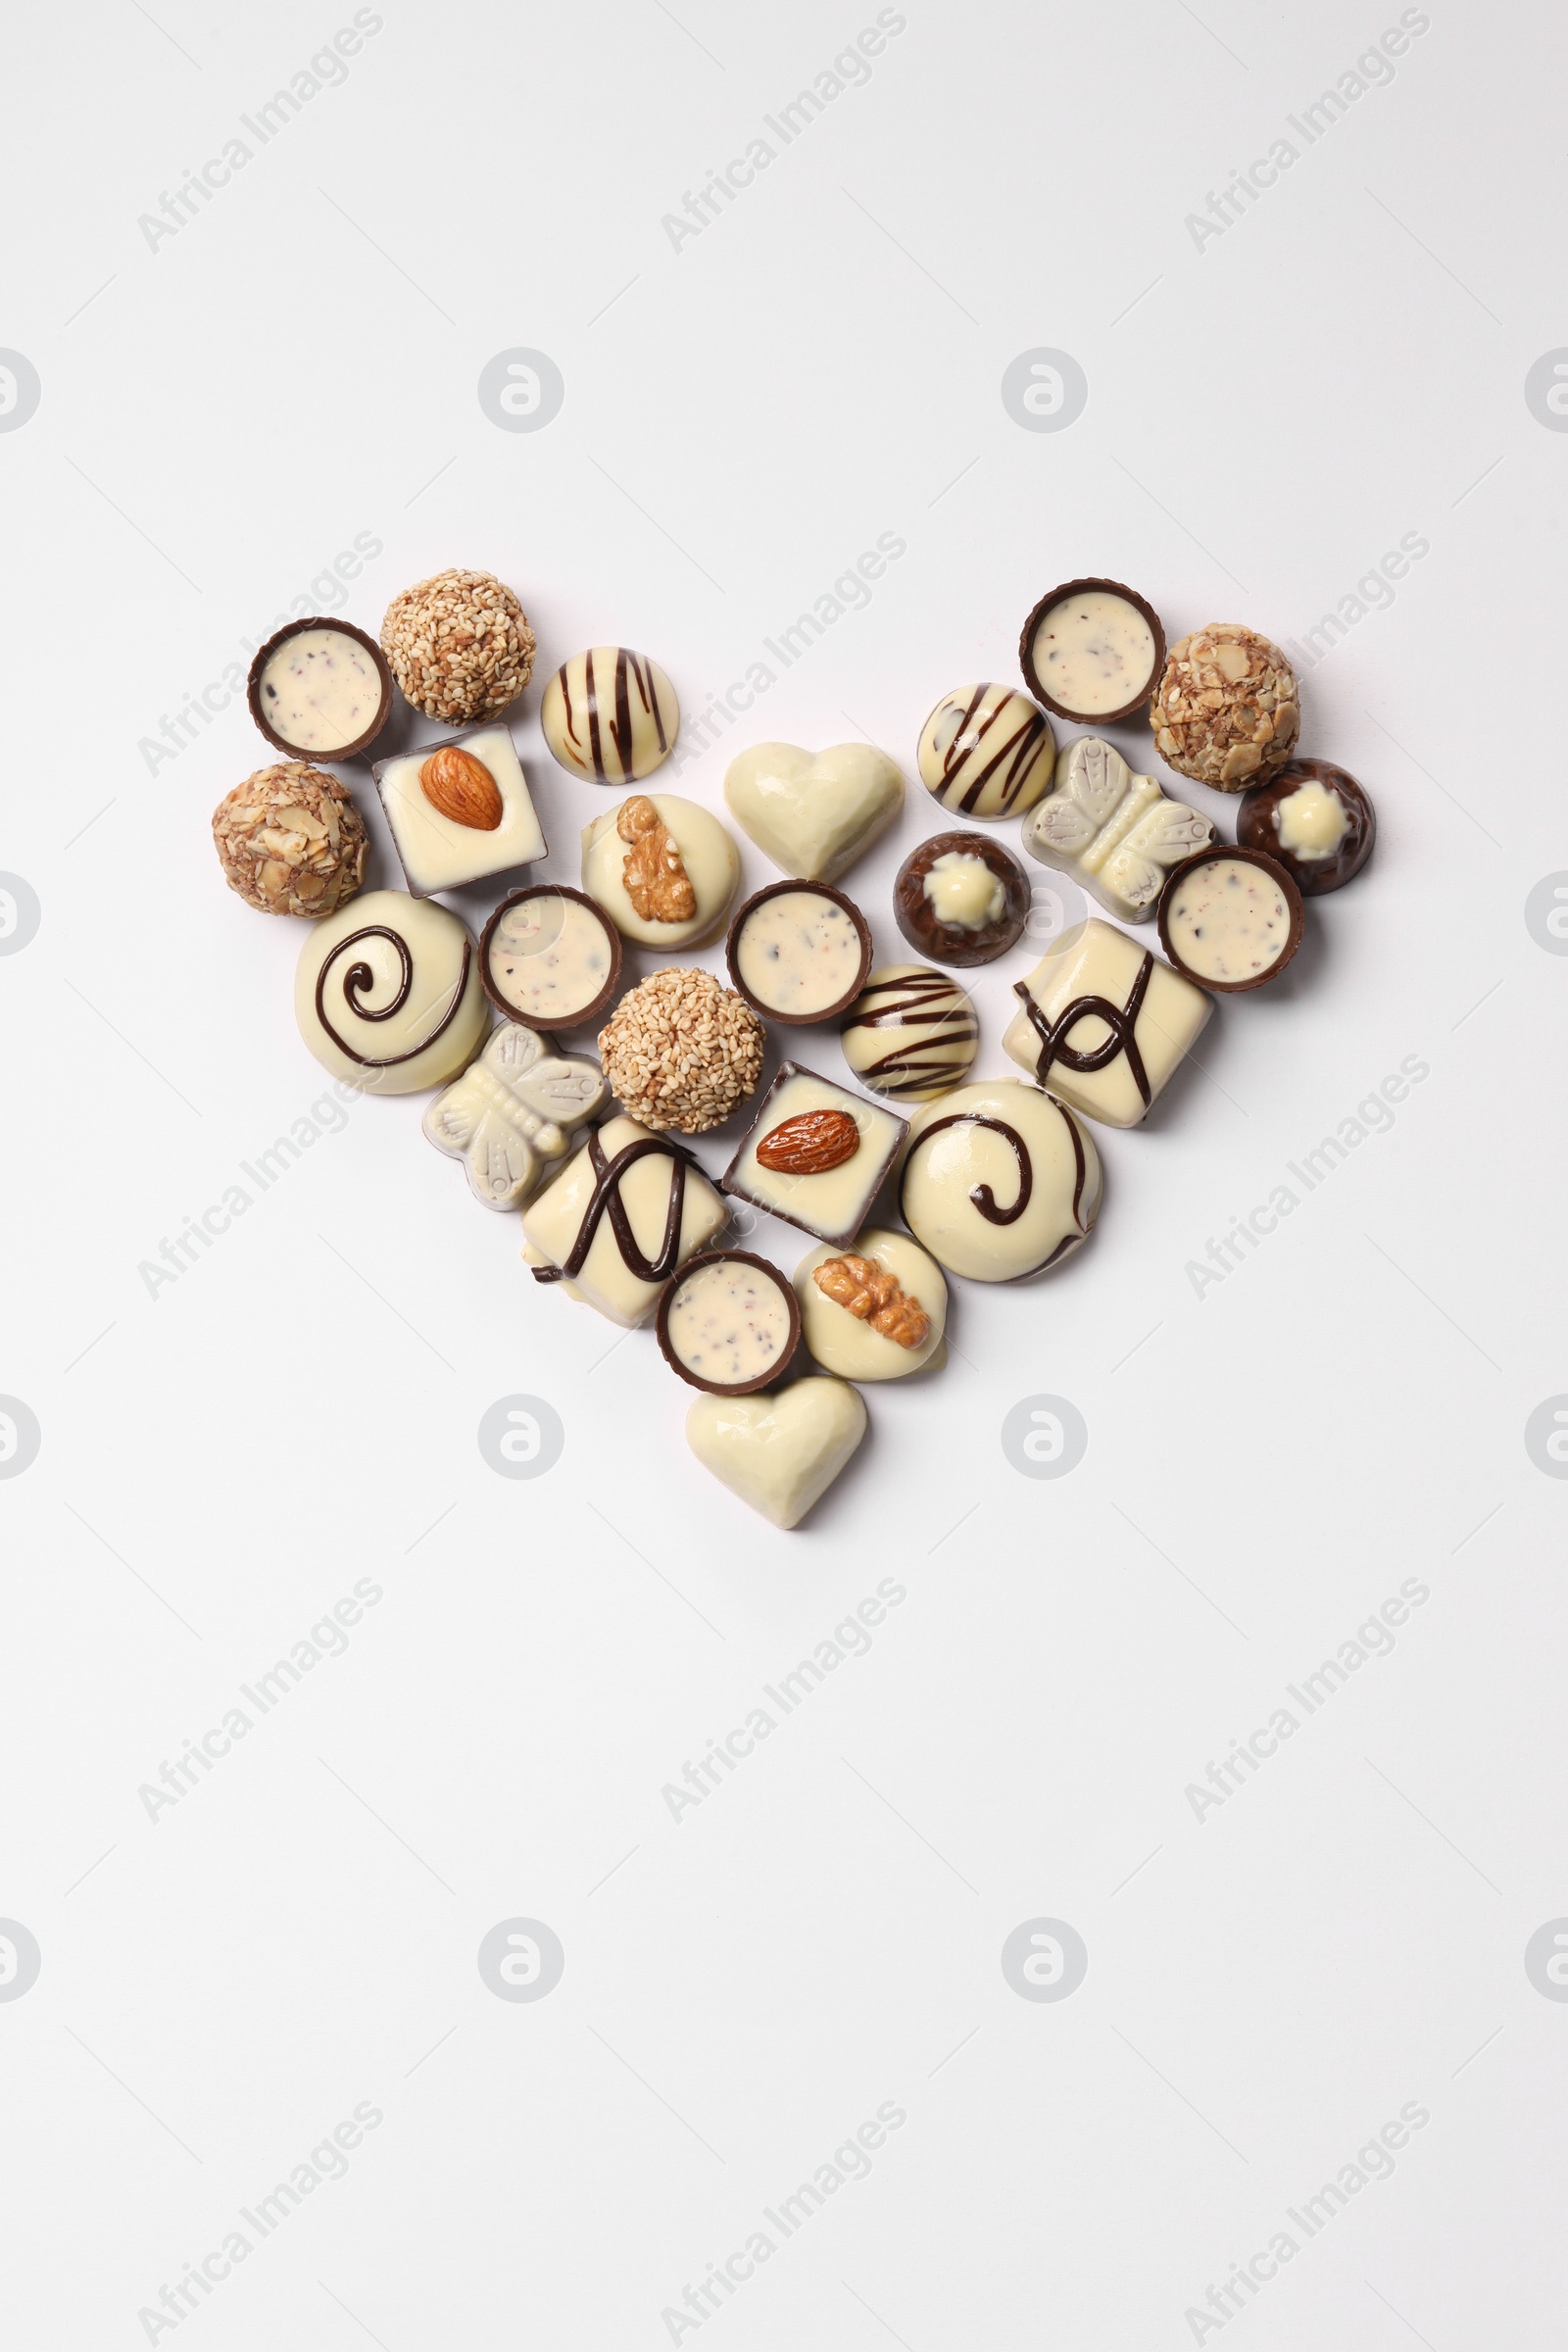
column 815, row 1155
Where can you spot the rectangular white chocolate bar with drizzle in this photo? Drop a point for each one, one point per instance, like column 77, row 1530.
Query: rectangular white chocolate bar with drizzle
column 1102, row 1023
column 619, row 1219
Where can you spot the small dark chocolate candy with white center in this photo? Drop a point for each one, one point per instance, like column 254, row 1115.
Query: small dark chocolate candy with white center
column 1313, row 818
column 961, row 898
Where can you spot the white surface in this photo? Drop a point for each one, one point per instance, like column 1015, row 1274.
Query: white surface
column 743, row 418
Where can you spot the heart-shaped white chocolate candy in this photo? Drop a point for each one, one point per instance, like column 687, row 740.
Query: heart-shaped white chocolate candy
column 779, row 1453
column 813, row 812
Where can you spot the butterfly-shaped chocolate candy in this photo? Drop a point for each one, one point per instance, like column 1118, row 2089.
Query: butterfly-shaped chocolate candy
column 1115, row 833
column 513, row 1110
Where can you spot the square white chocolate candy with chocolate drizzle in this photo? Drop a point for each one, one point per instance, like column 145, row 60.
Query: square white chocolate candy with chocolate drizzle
column 621, row 1219
column 514, row 1110
column 813, row 812
column 459, row 809
column 998, row 1181
column 1104, row 1024
column 1115, row 833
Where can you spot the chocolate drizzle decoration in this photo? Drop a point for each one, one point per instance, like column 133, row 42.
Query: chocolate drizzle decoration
column 1021, row 746
column 981, row 1195
column 1120, row 1019
column 923, row 1002
column 358, row 978
column 630, row 669
column 606, row 1200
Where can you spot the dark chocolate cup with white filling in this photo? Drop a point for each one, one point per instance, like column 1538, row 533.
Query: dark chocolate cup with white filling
column 1034, row 673
column 769, row 1278
column 554, row 1017
column 281, row 743
column 1220, row 852
column 1257, row 825
column 960, row 944
column 760, row 1004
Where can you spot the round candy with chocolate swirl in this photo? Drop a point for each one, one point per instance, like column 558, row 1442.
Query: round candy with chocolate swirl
column 999, row 1181
column 387, row 994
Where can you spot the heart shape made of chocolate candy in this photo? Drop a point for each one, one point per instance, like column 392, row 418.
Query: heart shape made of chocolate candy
column 813, row 812
column 779, row 1453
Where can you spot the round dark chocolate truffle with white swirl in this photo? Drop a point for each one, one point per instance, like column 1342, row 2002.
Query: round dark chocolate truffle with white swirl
column 961, row 898
column 798, row 953
column 1230, row 919
column 387, row 994
column 986, row 752
column 1091, row 651
column 1315, row 818
column 999, row 1181
column 729, row 1322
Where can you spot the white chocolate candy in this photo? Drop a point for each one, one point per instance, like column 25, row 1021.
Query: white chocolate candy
column 610, row 715
column 438, row 852
column 1104, row 1024
column 1228, row 921
column 779, row 1453
column 850, row 1344
column 728, row 1323
column 911, row 1033
column 832, row 1203
column 512, row 1112
column 797, row 953
column 387, row 994
column 963, row 891
column 999, row 1181
column 1092, row 653
column 550, row 958
column 1115, row 833
column 571, row 1229
column 320, row 690
column 812, row 813
column 1311, row 822
column 708, row 857
column 986, row 751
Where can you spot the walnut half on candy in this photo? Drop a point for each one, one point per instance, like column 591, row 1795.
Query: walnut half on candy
column 872, row 1295
column 654, row 878
column 291, row 841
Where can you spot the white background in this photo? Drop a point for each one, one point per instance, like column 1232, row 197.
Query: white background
column 1268, row 415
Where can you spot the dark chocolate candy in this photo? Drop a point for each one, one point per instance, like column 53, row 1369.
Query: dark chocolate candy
column 1257, row 825
column 958, row 941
